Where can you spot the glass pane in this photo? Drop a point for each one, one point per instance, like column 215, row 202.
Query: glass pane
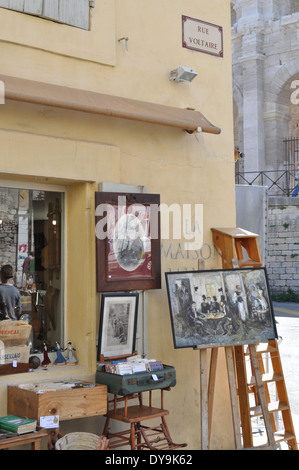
column 30, row 241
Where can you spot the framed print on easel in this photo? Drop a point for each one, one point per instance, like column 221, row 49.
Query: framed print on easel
column 220, row 307
column 127, row 241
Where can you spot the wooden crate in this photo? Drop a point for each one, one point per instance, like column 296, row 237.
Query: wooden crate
column 67, row 404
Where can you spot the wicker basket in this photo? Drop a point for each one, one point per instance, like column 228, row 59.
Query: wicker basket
column 80, row 441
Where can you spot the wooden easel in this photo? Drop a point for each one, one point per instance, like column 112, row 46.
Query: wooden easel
column 207, row 381
column 231, row 243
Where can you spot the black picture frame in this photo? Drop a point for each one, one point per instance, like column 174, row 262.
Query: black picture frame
column 118, row 324
column 220, row 307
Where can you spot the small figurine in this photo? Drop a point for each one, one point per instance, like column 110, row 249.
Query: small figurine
column 46, row 360
column 59, row 359
column 71, row 359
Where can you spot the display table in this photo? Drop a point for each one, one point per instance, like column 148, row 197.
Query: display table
column 33, row 438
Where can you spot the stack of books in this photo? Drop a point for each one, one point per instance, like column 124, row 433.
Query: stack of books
column 17, row 425
column 133, row 365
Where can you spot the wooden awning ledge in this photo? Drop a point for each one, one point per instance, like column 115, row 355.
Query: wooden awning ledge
column 30, row 91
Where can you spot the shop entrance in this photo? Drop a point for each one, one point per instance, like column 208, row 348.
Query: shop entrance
column 31, row 223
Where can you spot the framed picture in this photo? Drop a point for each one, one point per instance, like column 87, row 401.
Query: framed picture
column 127, row 242
column 220, row 308
column 118, row 323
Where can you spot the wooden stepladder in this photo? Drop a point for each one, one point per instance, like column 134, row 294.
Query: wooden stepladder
column 232, row 242
column 246, row 364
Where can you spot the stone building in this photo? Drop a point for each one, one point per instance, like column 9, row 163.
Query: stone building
column 265, row 50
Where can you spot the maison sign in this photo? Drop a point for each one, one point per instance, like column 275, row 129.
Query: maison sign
column 202, row 36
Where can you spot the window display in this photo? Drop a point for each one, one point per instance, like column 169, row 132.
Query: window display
column 30, row 243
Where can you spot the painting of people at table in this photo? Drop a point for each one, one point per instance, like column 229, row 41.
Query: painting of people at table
column 220, row 307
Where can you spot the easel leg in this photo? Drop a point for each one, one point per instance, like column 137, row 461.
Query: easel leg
column 233, row 395
column 211, row 390
column 204, row 399
column 243, row 396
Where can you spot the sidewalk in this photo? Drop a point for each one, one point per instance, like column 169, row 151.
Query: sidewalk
column 288, row 308
column 287, row 317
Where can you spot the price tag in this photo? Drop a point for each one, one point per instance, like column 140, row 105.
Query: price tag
column 49, row 422
column 154, row 377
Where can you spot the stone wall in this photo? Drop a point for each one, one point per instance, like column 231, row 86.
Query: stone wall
column 283, row 244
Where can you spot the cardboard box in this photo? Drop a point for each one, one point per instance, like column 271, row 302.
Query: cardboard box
column 14, row 333
column 20, row 354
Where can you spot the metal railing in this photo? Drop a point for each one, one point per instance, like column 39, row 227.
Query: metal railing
column 279, row 182
column 291, row 151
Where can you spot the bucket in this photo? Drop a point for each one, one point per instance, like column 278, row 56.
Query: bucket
column 82, row 441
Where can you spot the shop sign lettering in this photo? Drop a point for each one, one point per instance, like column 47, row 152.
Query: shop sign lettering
column 9, row 356
column 201, row 36
column 9, row 332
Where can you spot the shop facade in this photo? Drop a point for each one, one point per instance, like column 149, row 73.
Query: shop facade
column 94, row 110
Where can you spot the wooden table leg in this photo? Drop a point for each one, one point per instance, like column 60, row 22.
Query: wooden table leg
column 35, row 445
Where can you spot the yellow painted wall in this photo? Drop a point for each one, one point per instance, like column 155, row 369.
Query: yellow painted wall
column 48, row 146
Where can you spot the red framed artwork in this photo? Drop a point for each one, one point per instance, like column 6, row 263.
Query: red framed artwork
column 127, row 241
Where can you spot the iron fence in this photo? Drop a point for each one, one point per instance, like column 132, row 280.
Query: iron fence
column 279, row 182
column 291, row 151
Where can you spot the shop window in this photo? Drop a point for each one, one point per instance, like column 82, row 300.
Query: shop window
column 31, row 223
column 70, row 12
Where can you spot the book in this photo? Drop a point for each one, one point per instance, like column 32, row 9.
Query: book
column 17, row 425
column 157, row 365
column 138, row 367
column 123, row 368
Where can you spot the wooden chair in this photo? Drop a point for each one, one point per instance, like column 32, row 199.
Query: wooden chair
column 139, row 436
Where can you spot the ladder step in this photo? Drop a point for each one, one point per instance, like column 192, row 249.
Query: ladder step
column 249, row 262
column 262, row 348
column 279, row 436
column 273, row 407
column 272, row 377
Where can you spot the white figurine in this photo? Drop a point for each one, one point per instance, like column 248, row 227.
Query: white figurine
column 70, row 357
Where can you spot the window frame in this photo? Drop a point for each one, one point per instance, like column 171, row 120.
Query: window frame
column 76, row 14
column 16, row 184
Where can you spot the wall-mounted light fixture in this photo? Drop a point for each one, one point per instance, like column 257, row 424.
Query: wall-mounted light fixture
column 182, row 74
column 125, row 39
